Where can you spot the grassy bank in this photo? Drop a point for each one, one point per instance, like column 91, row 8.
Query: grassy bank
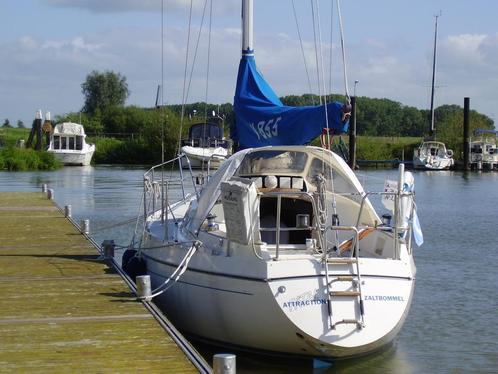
column 16, row 159
column 385, row 148
column 10, row 136
column 147, row 150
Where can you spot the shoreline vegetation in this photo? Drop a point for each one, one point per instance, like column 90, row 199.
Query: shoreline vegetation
column 387, row 130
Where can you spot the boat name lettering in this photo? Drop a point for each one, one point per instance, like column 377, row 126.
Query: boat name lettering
column 266, row 129
column 302, row 303
column 383, row 298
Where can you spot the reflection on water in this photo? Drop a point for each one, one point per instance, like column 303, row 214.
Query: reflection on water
column 452, row 323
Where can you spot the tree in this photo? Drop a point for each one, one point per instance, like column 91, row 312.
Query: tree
column 103, row 91
column 20, row 124
column 6, row 123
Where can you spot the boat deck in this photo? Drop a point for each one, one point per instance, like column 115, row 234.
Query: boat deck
column 65, row 310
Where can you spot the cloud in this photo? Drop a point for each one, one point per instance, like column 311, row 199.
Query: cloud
column 48, row 73
column 113, row 6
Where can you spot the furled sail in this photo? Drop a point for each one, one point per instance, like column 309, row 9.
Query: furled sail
column 261, row 119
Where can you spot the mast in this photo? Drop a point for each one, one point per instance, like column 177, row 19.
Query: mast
column 432, row 127
column 247, row 28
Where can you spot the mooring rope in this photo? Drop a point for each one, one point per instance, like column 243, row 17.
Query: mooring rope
column 179, row 271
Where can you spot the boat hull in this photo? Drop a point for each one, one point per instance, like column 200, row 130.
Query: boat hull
column 74, row 158
column 200, row 163
column 282, row 315
column 200, row 157
column 436, row 164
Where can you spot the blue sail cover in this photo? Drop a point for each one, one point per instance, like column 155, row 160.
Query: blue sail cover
column 261, row 119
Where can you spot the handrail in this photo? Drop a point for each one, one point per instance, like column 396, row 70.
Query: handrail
column 316, row 227
column 158, row 189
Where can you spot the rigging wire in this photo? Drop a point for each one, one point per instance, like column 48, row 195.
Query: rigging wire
column 331, row 44
column 343, row 48
column 162, row 81
column 208, row 60
column 162, row 108
column 302, row 53
column 321, row 81
column 207, row 80
column 184, row 99
column 316, row 52
column 196, row 49
column 320, row 51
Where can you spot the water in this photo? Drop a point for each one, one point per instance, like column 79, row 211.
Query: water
column 452, row 325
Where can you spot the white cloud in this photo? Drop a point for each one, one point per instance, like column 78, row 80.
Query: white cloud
column 48, row 73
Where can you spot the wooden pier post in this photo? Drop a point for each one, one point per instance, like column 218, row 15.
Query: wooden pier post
column 352, row 134
column 466, row 138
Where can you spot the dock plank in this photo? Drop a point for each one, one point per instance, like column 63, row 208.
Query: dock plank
column 65, row 310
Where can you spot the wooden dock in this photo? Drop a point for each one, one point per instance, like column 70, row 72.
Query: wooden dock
column 63, row 309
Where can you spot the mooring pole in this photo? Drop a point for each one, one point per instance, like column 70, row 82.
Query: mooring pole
column 466, row 138
column 38, row 131
column 352, row 134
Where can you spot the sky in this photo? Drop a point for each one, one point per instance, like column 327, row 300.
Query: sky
column 48, row 47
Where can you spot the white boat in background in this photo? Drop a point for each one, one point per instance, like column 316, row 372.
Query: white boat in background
column 483, row 150
column 281, row 250
column 68, row 144
column 206, row 146
column 432, row 155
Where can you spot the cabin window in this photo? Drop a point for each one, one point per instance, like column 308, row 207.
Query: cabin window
column 273, row 162
column 334, row 182
column 79, row 143
column 57, row 141
column 63, row 142
column 71, row 142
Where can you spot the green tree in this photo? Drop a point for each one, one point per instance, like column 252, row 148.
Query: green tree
column 103, row 91
column 20, row 124
column 6, row 123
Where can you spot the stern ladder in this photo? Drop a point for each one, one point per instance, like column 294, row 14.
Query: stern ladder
column 354, row 278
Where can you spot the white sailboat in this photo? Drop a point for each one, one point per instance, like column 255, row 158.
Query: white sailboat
column 280, row 251
column 433, row 155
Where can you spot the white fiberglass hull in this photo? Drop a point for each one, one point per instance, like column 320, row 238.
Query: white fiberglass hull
column 68, row 157
column 432, row 163
column 284, row 314
column 199, row 157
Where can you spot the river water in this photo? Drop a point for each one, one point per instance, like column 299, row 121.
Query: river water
column 453, row 322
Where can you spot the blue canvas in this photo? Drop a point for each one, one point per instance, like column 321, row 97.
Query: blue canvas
column 261, row 119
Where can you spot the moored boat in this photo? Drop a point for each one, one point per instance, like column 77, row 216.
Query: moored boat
column 483, row 150
column 68, row 144
column 206, row 146
column 281, row 249
column 432, row 154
